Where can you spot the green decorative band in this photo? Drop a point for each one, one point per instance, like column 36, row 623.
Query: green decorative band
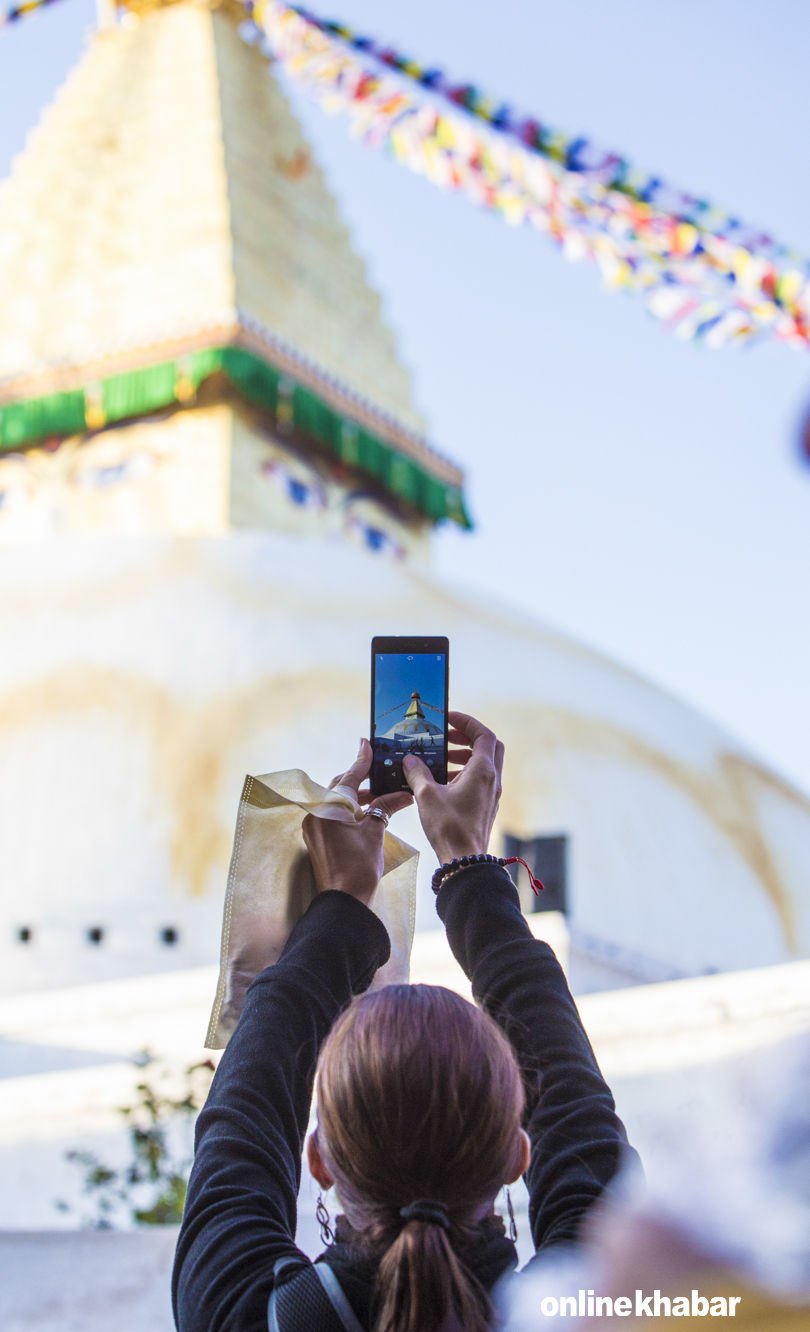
column 139, row 392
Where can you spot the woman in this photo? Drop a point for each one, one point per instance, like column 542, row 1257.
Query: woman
column 427, row 1106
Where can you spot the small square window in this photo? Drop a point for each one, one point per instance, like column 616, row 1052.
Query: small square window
column 25, row 934
column 169, row 936
column 95, row 934
column 547, row 859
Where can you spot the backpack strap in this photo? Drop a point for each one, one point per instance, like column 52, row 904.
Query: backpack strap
column 349, row 1321
column 310, row 1301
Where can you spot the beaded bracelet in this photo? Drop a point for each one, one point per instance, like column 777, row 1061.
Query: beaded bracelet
column 453, row 866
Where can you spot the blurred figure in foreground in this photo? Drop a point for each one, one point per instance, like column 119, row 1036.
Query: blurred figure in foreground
column 721, row 1230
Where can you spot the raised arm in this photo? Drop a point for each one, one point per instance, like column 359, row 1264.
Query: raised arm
column 578, row 1141
column 240, row 1214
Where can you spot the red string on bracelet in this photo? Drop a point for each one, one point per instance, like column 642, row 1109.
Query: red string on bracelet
column 517, row 860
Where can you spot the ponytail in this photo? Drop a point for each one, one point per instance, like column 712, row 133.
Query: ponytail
column 422, row 1286
column 419, row 1097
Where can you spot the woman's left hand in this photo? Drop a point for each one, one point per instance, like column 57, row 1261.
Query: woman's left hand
column 349, row 856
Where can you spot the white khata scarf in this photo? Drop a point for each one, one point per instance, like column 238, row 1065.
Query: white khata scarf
column 271, row 884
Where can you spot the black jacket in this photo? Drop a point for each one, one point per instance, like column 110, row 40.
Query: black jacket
column 240, row 1215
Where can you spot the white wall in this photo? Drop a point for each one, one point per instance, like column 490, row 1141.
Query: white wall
column 87, row 1281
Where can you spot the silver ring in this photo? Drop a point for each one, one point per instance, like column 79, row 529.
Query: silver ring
column 378, row 814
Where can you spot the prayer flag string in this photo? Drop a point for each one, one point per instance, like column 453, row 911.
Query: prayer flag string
column 704, row 274
column 22, row 11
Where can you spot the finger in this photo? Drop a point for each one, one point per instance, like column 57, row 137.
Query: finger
column 359, row 770
column 457, row 737
column 417, row 774
column 460, row 756
column 365, row 797
column 460, row 721
column 373, row 829
column 393, row 803
column 499, row 753
column 482, row 739
column 307, row 828
column 474, row 733
column 471, row 728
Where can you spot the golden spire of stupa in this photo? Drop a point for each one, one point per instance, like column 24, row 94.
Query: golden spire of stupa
column 169, row 199
column 415, row 706
column 167, row 223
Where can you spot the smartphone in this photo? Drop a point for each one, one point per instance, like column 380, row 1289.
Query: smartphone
column 409, row 683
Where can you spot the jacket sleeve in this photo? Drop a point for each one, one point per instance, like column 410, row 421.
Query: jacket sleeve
column 240, row 1214
column 578, row 1141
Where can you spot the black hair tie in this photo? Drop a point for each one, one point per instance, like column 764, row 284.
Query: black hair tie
column 426, row 1209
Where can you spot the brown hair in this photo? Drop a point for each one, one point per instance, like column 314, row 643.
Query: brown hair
column 419, row 1096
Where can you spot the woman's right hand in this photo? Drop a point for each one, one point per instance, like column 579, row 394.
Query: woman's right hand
column 458, row 818
column 349, row 856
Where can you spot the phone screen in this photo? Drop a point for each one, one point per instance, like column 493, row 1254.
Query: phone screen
column 409, row 681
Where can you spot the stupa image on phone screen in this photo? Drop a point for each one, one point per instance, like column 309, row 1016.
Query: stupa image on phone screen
column 409, row 697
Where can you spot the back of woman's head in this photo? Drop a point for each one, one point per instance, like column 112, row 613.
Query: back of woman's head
column 419, row 1097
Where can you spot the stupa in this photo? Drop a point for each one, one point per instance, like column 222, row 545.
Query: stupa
column 214, row 490
column 413, row 730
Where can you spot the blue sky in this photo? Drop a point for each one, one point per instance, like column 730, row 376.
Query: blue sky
column 643, row 495
column 396, row 677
